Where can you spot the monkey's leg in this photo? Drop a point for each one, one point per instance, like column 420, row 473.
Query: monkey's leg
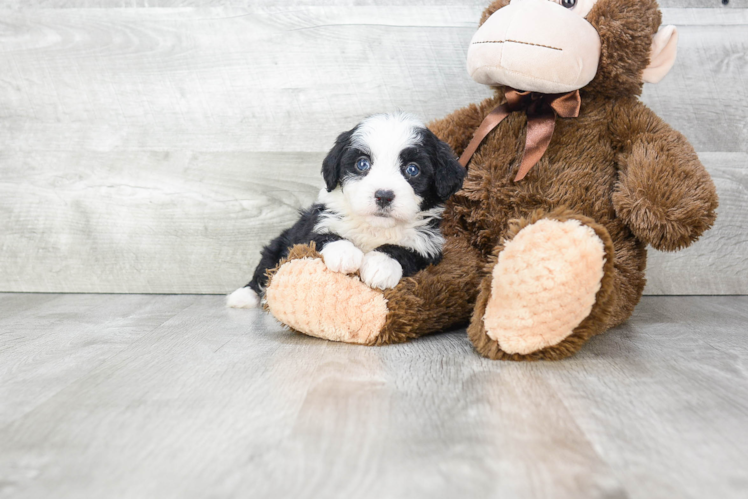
column 313, row 300
column 550, row 287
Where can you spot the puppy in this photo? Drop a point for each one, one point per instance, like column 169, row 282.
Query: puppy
column 387, row 180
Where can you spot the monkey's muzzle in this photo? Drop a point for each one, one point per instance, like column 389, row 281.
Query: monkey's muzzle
column 535, row 45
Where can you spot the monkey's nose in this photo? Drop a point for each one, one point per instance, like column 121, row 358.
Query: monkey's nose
column 384, row 197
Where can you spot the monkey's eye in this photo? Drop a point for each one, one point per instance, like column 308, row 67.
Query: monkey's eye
column 363, row 164
column 569, row 4
column 412, row 170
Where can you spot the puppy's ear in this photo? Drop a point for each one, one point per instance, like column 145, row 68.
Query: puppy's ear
column 332, row 165
column 448, row 173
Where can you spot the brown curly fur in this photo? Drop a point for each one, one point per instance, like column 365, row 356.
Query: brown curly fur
column 617, row 168
column 438, row 298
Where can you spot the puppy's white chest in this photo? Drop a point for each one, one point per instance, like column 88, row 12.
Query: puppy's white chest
column 368, row 238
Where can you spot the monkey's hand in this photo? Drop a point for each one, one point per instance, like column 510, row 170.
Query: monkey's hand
column 664, row 193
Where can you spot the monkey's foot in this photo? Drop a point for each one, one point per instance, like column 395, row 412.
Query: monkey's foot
column 308, row 297
column 305, row 295
column 543, row 286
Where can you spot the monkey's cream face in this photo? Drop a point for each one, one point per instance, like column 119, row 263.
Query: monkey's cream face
column 537, row 45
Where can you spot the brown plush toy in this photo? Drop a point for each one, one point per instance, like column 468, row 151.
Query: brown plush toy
column 546, row 242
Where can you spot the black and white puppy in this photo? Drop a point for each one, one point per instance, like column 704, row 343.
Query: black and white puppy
column 387, row 180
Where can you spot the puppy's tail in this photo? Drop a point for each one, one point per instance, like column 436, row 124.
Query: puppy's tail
column 243, row 298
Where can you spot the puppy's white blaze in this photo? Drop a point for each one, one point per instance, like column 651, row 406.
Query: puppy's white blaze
column 415, row 234
column 379, row 270
column 383, row 136
column 243, row 298
column 342, row 257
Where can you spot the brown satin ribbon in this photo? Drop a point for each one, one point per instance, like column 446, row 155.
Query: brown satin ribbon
column 541, row 110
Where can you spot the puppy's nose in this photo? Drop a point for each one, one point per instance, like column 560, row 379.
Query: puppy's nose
column 384, row 197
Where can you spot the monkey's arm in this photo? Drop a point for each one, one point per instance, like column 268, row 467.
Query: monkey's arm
column 456, row 129
column 664, row 193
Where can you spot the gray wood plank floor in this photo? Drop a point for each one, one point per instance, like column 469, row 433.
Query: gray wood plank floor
column 135, row 395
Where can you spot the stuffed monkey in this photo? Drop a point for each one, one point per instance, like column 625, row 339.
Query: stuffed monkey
column 569, row 178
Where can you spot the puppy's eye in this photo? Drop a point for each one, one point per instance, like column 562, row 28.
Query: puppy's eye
column 569, row 4
column 363, row 164
column 412, row 170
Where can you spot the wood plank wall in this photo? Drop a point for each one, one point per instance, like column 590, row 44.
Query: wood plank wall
column 155, row 145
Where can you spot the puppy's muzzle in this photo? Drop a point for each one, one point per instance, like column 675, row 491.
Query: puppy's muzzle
column 384, row 198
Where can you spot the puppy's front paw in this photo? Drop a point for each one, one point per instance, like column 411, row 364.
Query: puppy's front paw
column 342, row 257
column 379, row 270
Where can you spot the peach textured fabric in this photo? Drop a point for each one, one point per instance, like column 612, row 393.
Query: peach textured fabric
column 326, row 304
column 544, row 285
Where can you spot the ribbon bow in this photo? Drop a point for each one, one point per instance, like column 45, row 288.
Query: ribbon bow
column 541, row 110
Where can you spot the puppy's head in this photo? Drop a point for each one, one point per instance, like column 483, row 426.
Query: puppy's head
column 390, row 168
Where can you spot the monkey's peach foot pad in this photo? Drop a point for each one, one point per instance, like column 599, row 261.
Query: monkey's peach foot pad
column 544, row 285
column 311, row 299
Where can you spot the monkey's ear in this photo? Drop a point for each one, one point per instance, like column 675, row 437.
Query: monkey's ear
column 331, row 165
column 448, row 173
column 662, row 57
